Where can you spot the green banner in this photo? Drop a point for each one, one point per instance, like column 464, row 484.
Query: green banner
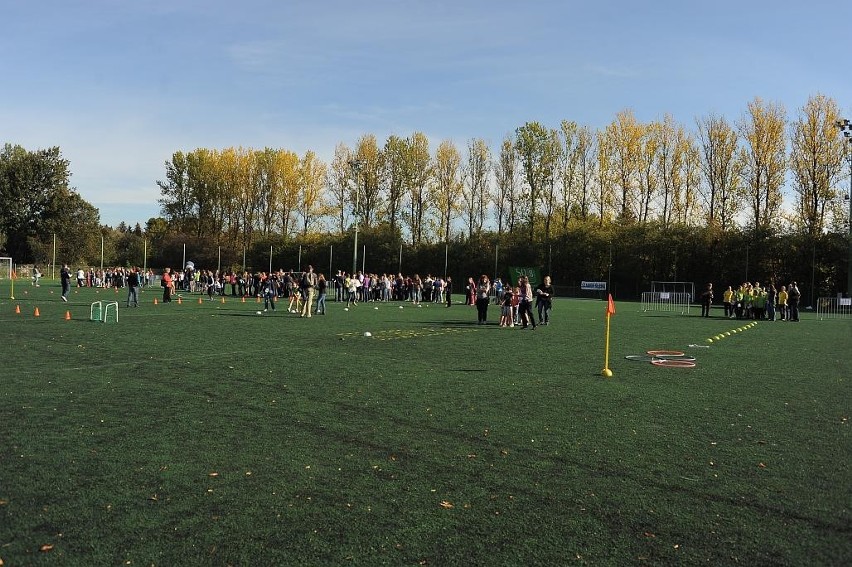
column 534, row 274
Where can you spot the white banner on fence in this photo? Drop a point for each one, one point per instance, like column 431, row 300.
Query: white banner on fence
column 594, row 286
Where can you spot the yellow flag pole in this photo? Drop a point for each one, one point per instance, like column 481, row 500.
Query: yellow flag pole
column 606, row 371
column 12, row 285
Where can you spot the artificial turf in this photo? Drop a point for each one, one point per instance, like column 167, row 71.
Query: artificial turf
column 207, row 434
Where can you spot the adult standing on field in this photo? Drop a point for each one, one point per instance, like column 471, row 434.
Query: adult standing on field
column 793, row 297
column 65, row 278
column 168, row 284
column 525, row 302
column 308, row 285
column 483, row 298
column 322, row 289
column 707, row 300
column 544, row 300
column 133, row 288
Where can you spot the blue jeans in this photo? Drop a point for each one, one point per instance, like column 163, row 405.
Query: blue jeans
column 133, row 296
column 321, row 304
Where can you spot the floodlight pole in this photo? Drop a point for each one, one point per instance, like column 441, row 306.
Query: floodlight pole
column 356, row 165
column 845, row 127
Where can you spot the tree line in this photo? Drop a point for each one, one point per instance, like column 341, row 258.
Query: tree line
column 664, row 200
column 539, row 181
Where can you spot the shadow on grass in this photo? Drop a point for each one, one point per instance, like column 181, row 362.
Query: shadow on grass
column 608, row 469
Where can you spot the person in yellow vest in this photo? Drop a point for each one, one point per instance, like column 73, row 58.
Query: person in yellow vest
column 782, row 303
column 727, row 302
column 741, row 301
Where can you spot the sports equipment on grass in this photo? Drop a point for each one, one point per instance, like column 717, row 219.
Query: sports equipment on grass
column 670, row 297
column 99, row 311
column 834, row 308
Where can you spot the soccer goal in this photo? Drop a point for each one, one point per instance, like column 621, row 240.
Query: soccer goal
column 5, row 268
column 669, row 297
column 6, row 275
column 834, row 308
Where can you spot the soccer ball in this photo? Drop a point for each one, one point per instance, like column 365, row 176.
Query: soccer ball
column 368, row 334
column 260, row 312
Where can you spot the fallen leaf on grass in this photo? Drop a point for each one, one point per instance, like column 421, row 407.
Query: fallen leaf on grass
column 46, row 547
column 761, row 465
column 446, row 504
column 649, row 534
column 213, row 474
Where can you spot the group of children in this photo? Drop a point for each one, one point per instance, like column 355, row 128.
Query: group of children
column 509, row 302
column 759, row 303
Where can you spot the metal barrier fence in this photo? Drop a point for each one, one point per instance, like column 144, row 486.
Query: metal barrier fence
column 834, row 308
column 671, row 302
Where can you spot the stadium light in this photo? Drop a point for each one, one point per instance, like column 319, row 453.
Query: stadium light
column 845, row 128
column 356, row 165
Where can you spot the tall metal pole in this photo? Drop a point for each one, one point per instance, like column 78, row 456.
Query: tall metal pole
column 330, row 256
column 219, row 264
column 183, row 264
column 399, row 268
column 270, row 259
column 53, row 266
column 102, row 253
column 845, row 127
column 144, row 260
column 496, row 252
column 446, row 256
column 300, row 258
column 244, row 259
column 356, row 165
column 364, row 261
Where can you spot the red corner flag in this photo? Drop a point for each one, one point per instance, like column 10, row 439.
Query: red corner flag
column 610, row 306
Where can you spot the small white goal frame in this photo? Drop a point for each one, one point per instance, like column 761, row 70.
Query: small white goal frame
column 102, row 311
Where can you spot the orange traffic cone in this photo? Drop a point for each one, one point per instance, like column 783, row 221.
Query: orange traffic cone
column 199, row 301
column 67, row 315
column 36, row 313
column 258, row 299
column 155, row 301
column 244, row 299
column 223, row 300
column 180, row 301
column 17, row 310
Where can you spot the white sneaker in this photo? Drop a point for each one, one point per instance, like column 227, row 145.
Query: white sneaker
column 65, row 299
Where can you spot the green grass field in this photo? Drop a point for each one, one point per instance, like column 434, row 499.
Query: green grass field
column 206, row 434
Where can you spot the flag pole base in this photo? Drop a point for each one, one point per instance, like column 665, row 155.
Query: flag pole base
column 606, row 372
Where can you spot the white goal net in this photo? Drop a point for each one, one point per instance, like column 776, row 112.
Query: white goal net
column 671, row 297
column 5, row 268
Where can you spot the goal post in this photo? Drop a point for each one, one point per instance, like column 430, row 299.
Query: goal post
column 673, row 297
column 7, row 275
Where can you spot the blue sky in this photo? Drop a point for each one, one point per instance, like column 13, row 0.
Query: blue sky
column 120, row 86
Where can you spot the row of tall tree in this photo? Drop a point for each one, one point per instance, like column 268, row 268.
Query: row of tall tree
column 540, row 179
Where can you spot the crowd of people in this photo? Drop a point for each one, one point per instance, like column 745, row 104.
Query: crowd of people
column 516, row 303
column 306, row 291
column 753, row 301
